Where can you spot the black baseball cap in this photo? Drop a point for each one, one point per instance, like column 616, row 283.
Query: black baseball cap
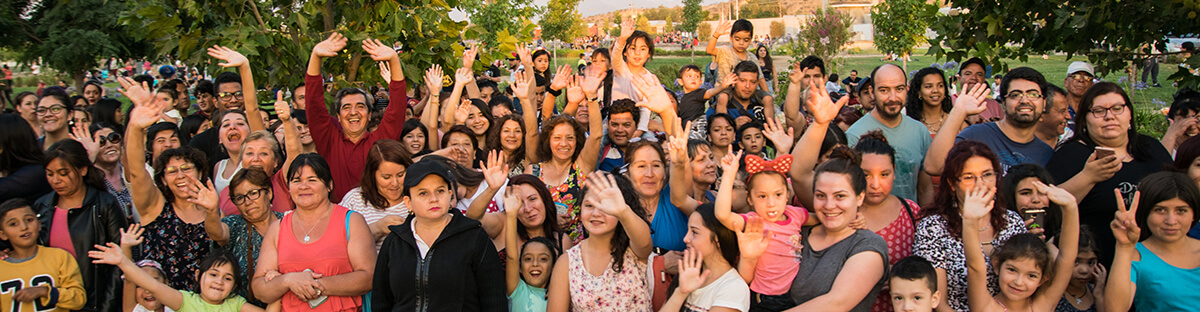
column 423, row 168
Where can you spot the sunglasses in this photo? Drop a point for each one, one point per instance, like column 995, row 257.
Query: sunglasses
column 114, row 137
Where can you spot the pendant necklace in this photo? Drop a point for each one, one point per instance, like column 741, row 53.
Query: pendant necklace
column 306, row 238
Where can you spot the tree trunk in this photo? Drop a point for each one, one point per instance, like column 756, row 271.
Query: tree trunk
column 352, row 68
column 327, row 15
column 78, row 76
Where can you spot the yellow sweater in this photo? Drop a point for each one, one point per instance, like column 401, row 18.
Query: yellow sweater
column 51, row 266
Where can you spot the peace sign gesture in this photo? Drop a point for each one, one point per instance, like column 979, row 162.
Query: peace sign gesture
column 1124, row 225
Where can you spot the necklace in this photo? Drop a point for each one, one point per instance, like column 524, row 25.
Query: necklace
column 314, row 227
column 1079, row 298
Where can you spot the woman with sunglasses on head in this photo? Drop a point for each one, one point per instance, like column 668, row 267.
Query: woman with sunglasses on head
column 104, row 149
column 1106, row 152
column 174, row 225
column 80, row 214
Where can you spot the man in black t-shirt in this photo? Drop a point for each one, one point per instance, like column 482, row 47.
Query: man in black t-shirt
column 741, row 102
column 852, row 82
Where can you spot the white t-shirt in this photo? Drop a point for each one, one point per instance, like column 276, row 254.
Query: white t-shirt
column 354, row 200
column 729, row 291
column 464, row 203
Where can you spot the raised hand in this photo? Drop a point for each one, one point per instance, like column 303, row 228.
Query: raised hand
column 796, row 76
column 132, row 236
column 232, row 58
column 978, row 202
column 820, row 106
column 727, row 81
column 385, row 71
column 79, row 133
column 463, row 76
column 138, row 93
column 433, row 78
column 729, row 163
column 378, row 51
column 775, row 132
column 282, row 109
column 722, row 29
column 146, row 110
column 574, row 91
column 524, row 55
column 592, row 78
column 691, row 271
column 203, row 195
column 973, row 100
column 330, row 46
column 676, row 148
column 560, row 78
column 609, row 199
column 753, row 238
column 1056, row 194
column 654, row 97
column 512, row 203
column 108, row 253
column 627, row 27
column 469, row 56
column 1124, row 225
column 521, row 87
column 464, row 110
column 495, row 169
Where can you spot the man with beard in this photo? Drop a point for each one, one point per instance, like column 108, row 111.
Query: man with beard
column 910, row 137
column 1014, row 138
column 973, row 72
column 741, row 102
column 622, row 124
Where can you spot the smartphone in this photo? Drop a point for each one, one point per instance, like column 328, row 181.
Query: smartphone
column 315, row 302
column 1102, row 152
column 1037, row 214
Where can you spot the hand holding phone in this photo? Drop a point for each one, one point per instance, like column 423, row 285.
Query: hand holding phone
column 1102, row 152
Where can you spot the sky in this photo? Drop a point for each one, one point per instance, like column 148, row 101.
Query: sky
column 593, row 7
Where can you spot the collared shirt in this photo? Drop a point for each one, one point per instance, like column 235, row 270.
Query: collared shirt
column 347, row 158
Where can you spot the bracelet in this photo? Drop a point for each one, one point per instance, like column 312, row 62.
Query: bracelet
column 555, row 93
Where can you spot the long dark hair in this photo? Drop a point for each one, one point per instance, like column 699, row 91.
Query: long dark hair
column 1008, row 198
column 550, row 225
column 416, row 125
column 620, row 241
column 20, row 144
column 463, row 175
column 916, row 106
column 1161, row 186
column 493, row 138
column 946, row 202
column 105, row 110
column 384, row 150
column 1138, row 147
column 768, row 63
column 724, row 238
column 318, row 165
column 75, row 155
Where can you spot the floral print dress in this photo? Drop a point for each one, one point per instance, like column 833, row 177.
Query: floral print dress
column 178, row 246
column 566, row 198
column 625, row 291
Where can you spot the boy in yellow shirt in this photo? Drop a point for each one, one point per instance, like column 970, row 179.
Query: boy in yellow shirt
column 35, row 278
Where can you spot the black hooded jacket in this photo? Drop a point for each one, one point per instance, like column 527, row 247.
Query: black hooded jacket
column 460, row 272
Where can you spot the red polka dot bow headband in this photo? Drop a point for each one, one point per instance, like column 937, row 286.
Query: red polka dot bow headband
column 756, row 164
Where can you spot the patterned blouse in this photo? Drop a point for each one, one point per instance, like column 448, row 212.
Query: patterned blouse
column 178, row 246
column 627, row 291
column 934, row 243
column 566, row 198
column 899, row 237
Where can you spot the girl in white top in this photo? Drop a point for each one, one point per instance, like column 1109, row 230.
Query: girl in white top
column 707, row 279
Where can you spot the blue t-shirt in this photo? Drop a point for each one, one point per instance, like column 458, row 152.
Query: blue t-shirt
column 910, row 139
column 1158, row 284
column 669, row 225
column 527, row 298
column 1010, row 152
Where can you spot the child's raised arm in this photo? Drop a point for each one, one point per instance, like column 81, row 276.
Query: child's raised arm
column 1068, row 242
column 723, row 206
column 977, row 205
column 512, row 259
column 111, row 254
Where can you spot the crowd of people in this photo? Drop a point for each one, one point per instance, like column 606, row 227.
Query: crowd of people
column 596, row 188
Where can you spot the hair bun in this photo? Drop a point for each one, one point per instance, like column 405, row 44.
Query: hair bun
column 844, row 152
column 874, row 134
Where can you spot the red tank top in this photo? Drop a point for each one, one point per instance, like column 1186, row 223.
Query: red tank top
column 326, row 256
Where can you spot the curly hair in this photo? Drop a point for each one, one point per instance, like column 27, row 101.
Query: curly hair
column 946, row 202
column 544, row 152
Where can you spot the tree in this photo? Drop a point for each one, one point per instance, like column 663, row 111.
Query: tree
column 559, row 20
column 277, row 36
column 497, row 15
column 643, row 24
column 69, row 36
column 901, row 24
column 824, row 35
column 1111, row 34
column 692, row 14
column 705, row 31
column 777, row 29
column 670, row 27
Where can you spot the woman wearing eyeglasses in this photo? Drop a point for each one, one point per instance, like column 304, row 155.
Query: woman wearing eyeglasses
column 261, row 150
column 80, row 214
column 54, row 113
column 1106, row 153
column 939, row 233
column 175, row 235
column 242, row 234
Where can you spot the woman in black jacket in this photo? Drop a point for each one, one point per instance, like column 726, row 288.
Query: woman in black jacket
column 438, row 259
column 92, row 215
